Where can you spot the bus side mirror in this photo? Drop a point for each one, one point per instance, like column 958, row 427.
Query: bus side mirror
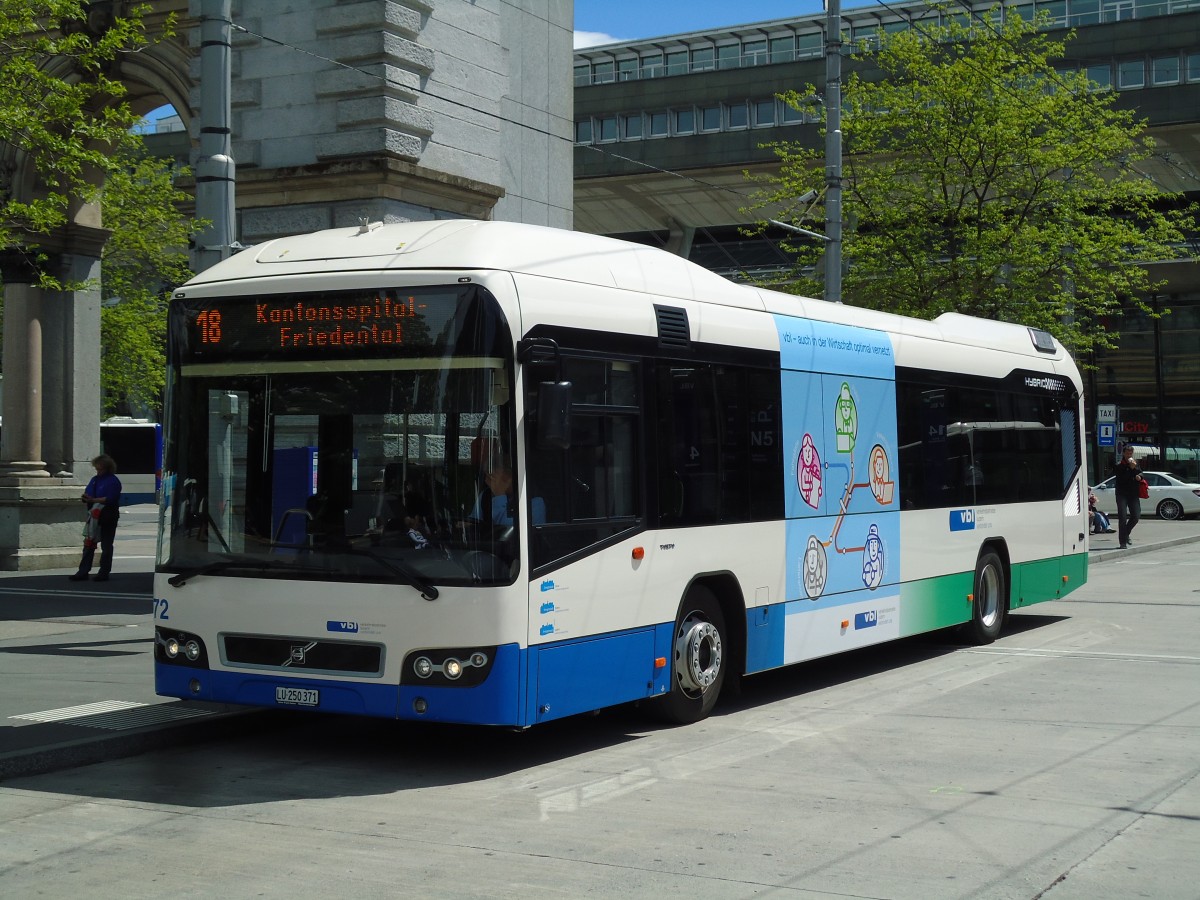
column 554, row 414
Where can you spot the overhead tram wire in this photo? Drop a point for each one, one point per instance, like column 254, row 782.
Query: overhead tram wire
column 741, row 195
column 398, row 84
column 423, row 91
column 699, row 181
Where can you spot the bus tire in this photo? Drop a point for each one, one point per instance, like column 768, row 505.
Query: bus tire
column 990, row 600
column 700, row 658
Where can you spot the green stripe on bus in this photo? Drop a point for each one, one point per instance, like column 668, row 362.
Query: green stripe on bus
column 934, row 603
column 942, row 602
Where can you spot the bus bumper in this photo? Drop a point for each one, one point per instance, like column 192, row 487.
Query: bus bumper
column 494, row 702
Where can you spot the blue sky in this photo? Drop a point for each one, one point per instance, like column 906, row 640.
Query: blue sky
column 604, row 21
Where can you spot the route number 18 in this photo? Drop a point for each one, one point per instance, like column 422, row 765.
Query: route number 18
column 209, row 324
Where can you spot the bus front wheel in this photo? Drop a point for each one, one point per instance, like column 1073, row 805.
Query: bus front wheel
column 990, row 600
column 700, row 658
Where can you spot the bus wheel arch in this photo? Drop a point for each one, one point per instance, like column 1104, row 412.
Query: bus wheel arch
column 990, row 594
column 707, row 647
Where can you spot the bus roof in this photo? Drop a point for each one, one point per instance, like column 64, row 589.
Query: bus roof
column 468, row 244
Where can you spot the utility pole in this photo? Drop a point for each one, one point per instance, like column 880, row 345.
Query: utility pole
column 215, row 166
column 833, row 151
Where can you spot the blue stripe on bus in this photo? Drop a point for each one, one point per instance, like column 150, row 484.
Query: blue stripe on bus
column 764, row 637
column 598, row 671
column 523, row 687
column 354, row 698
column 495, row 702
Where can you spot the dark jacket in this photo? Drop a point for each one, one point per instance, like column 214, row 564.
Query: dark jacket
column 1127, row 482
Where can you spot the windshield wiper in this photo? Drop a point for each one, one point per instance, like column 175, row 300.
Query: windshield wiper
column 225, row 564
column 409, row 576
column 428, row 591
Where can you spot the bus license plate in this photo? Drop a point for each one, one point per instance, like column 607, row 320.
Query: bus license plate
column 297, row 696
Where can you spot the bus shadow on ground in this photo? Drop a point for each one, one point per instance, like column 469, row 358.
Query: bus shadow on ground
column 83, row 649
column 831, row 671
column 268, row 757
column 28, row 597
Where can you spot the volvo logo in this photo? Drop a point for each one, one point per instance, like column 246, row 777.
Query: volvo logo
column 298, row 654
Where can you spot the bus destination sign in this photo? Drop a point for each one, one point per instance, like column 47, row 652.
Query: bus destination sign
column 311, row 325
column 305, row 323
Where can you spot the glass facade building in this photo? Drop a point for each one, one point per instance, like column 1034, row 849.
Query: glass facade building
column 704, row 105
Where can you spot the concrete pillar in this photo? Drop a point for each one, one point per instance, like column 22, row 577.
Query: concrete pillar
column 51, row 402
column 71, row 369
column 21, row 443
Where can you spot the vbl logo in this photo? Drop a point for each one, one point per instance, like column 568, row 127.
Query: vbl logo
column 867, row 619
column 962, row 519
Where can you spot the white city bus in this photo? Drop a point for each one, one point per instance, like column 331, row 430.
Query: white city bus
column 707, row 479
column 137, row 447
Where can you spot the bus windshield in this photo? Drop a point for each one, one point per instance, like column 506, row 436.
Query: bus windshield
column 341, row 436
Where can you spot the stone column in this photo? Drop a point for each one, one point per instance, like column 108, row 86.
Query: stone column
column 21, row 443
column 71, row 359
column 44, row 404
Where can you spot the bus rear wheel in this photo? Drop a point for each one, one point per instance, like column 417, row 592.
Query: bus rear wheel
column 990, row 600
column 700, row 659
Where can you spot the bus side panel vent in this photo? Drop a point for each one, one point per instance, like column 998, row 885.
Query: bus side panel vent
column 673, row 328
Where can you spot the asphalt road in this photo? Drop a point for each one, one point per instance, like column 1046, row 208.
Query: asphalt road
column 1059, row 762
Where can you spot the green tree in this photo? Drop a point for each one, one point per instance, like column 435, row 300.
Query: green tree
column 144, row 259
column 980, row 180
column 60, row 111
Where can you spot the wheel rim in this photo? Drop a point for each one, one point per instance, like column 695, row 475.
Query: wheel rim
column 1169, row 509
column 698, row 654
column 987, row 595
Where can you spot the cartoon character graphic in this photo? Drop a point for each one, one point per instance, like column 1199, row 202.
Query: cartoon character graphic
column 881, row 484
column 872, row 574
column 815, row 568
column 845, row 420
column 808, row 472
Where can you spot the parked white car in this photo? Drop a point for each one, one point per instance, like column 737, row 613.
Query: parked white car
column 1170, row 497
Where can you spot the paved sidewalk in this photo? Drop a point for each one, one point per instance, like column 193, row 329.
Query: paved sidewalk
column 75, row 658
column 1148, row 534
column 75, row 664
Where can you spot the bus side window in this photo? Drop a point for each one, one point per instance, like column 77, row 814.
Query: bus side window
column 592, row 490
column 720, row 452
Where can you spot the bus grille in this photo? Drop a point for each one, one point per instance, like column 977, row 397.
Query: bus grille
column 302, row 655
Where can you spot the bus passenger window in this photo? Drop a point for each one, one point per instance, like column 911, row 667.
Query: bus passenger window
column 720, row 450
column 591, row 491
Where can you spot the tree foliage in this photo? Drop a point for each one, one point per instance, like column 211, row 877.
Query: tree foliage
column 60, row 110
column 63, row 115
column 144, row 259
column 980, row 180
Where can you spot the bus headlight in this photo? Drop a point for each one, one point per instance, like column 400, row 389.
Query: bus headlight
column 179, row 648
column 458, row 666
